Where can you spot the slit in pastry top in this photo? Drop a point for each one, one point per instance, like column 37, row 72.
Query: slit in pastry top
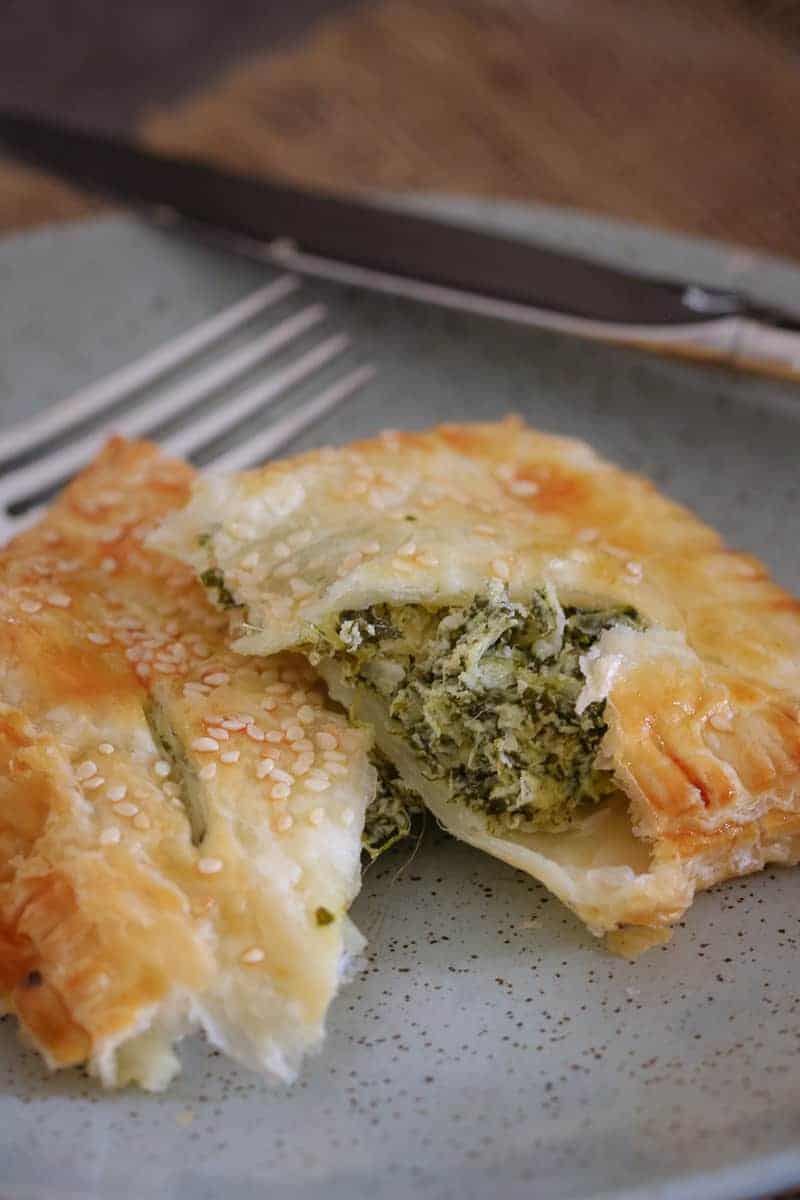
column 572, row 671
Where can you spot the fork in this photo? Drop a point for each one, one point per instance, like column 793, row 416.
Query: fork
column 22, row 486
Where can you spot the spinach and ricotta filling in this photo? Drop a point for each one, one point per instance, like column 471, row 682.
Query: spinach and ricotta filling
column 485, row 696
column 393, row 814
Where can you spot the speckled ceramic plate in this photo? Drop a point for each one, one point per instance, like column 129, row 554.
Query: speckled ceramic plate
column 492, row 1047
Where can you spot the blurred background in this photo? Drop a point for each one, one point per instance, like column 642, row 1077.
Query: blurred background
column 676, row 113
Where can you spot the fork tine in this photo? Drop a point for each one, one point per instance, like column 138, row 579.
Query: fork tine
column 260, row 448
column 99, row 396
column 209, row 428
column 45, row 472
column 256, row 449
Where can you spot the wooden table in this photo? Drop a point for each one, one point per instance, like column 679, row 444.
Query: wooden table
column 669, row 112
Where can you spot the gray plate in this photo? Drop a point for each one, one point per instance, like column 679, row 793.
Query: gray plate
column 492, row 1047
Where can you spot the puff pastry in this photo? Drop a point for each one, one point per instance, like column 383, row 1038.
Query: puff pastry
column 179, row 825
column 573, row 671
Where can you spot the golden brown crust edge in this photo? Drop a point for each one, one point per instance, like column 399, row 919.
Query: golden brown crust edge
column 109, row 916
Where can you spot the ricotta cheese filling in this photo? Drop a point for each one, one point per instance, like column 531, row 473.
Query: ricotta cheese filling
column 486, row 696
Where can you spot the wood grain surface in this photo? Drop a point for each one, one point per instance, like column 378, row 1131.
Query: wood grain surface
column 668, row 112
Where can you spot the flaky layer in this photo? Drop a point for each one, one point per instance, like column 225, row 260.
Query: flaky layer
column 703, row 720
column 179, row 825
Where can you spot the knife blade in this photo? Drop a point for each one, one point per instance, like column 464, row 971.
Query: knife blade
column 358, row 241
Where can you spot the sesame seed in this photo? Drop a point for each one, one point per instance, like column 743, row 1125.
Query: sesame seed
column 426, row 559
column 86, row 769
column 281, row 776
column 58, row 599
column 229, row 756
column 170, row 789
column 142, row 670
column 269, row 704
column 408, row 549
column 586, row 535
column 192, row 690
column 634, row 570
column 162, row 769
column 281, row 550
column 201, row 650
column 523, row 487
column 218, row 732
column 264, row 768
column 30, row 606
column 216, row 678
column 108, row 564
column 337, row 769
column 305, row 714
column 334, row 756
column 235, row 724
column 326, row 741
column 294, row 733
column 256, row 733
column 205, row 745
column 118, row 792
column 96, row 781
column 110, row 836
column 486, row 530
column 402, row 565
column 141, row 821
column 348, row 816
column 316, row 816
column 209, row 866
column 371, row 548
column 318, row 784
column 284, row 822
column 106, row 748
column 250, row 560
column 280, row 791
column 500, row 569
column 207, row 771
column 254, row 955
column 505, row 471
column 299, row 586
column 126, row 809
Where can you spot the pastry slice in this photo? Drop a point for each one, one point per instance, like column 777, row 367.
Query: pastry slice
column 180, row 825
column 572, row 670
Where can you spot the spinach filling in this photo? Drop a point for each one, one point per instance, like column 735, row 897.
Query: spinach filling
column 191, row 789
column 485, row 696
column 393, row 813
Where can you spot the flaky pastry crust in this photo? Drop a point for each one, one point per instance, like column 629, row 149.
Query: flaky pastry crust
column 702, row 705
column 179, row 825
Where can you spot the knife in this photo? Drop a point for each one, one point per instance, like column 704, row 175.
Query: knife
column 359, row 242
